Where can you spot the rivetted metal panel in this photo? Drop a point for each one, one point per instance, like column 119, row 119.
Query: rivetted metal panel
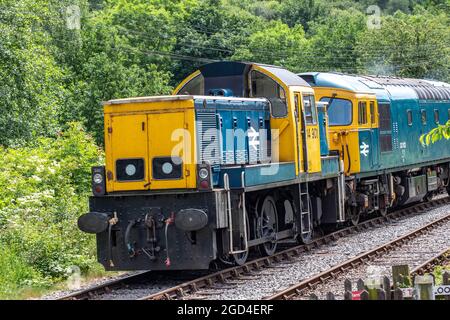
column 287, row 77
column 425, row 90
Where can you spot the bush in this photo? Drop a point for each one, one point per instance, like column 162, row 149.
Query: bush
column 44, row 187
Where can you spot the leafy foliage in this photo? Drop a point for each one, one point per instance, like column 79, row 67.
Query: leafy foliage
column 44, row 189
column 287, row 46
column 436, row 134
column 31, row 88
column 414, row 46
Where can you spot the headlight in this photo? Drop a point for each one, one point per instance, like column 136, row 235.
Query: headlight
column 167, row 168
column 130, row 169
column 97, row 178
column 203, row 173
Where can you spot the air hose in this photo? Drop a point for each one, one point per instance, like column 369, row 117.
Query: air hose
column 128, row 243
column 349, row 159
column 169, row 221
column 111, row 263
column 111, row 222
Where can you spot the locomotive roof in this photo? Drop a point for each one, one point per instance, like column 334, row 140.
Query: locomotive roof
column 178, row 98
column 228, row 68
column 397, row 87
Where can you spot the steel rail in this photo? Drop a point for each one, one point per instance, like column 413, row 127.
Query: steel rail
column 105, row 287
column 287, row 255
column 365, row 257
column 428, row 266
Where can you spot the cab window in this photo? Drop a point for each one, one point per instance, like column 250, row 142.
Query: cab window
column 362, row 112
column 309, row 108
column 263, row 86
column 195, row 86
column 339, row 111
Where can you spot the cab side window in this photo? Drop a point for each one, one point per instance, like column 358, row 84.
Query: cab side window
column 263, row 86
column 362, row 112
column 309, row 107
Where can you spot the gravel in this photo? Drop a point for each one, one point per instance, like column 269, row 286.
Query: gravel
column 85, row 284
column 309, row 264
column 414, row 253
column 135, row 292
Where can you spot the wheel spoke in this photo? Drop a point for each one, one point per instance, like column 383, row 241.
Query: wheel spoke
column 268, row 226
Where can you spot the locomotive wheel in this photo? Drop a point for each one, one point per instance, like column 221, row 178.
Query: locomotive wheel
column 383, row 212
column 354, row 215
column 429, row 196
column 241, row 258
column 267, row 225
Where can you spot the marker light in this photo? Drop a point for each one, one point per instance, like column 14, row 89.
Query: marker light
column 203, row 173
column 97, row 178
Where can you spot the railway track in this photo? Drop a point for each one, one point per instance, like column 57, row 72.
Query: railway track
column 441, row 259
column 245, row 272
column 241, row 273
column 338, row 271
column 136, row 282
column 105, row 287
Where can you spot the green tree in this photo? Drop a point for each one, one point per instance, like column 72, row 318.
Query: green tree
column 277, row 44
column 121, row 54
column 303, row 12
column 414, row 46
column 31, row 87
column 211, row 30
column 43, row 190
column 333, row 41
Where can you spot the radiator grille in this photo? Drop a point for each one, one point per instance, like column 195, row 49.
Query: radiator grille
column 207, row 137
column 385, row 142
